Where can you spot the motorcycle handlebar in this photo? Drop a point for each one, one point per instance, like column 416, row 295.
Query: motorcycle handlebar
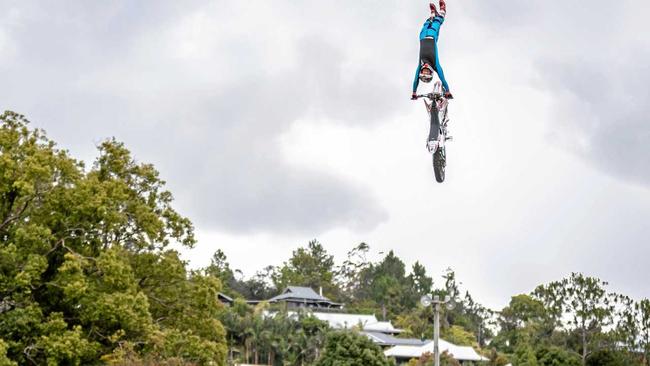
column 430, row 96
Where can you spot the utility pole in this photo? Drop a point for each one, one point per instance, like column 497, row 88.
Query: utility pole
column 427, row 301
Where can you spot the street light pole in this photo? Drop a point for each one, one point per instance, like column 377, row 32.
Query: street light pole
column 436, row 332
column 426, row 300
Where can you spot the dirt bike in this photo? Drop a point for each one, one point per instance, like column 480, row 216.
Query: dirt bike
column 437, row 109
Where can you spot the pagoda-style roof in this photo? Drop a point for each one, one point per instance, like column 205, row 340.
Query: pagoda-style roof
column 297, row 296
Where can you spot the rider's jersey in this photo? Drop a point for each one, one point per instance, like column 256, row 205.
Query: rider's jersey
column 431, row 29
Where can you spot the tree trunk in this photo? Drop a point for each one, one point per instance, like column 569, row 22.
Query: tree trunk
column 584, row 346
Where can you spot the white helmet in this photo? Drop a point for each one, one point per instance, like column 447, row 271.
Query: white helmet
column 426, row 77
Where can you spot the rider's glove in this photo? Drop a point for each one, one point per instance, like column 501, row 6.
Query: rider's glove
column 448, row 95
column 414, row 96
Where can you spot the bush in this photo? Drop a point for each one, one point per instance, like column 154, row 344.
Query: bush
column 347, row 348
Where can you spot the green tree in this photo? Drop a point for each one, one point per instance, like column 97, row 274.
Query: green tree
column 496, row 358
column 348, row 274
column 643, row 310
column 344, row 348
column 458, row 335
column 627, row 331
column 385, row 283
column 612, row 358
column 417, row 323
column 420, row 284
column 556, row 356
column 310, row 267
column 525, row 355
column 85, row 272
column 523, row 318
column 4, row 360
column 586, row 303
column 220, row 268
column 427, row 359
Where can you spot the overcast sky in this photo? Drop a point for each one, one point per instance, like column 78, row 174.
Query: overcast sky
column 276, row 122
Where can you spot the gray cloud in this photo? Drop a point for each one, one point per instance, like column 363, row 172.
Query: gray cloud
column 92, row 71
column 593, row 57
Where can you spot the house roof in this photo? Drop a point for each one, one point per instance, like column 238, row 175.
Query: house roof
column 295, row 292
column 389, row 340
column 383, row 327
column 368, row 323
column 225, row 297
column 460, row 353
column 345, row 321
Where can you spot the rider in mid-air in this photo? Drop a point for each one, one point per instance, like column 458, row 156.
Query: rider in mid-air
column 429, row 61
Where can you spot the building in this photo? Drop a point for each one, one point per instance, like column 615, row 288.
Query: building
column 361, row 322
column 225, row 299
column 465, row 355
column 301, row 297
column 383, row 333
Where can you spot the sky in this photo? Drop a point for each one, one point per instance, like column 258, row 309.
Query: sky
column 278, row 122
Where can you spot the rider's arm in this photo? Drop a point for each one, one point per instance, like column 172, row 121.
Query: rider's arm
column 416, row 82
column 441, row 74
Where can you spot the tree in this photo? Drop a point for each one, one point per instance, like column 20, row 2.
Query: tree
column 427, row 360
column 4, row 360
column 496, row 359
column 587, row 305
column 643, row 309
column 348, row 275
column 525, row 356
column 523, row 318
column 627, row 327
column 417, row 323
column 420, row 284
column 386, row 285
column 612, row 358
column 85, row 269
column 556, row 356
column 310, row 267
column 459, row 336
column 220, row 268
column 345, row 348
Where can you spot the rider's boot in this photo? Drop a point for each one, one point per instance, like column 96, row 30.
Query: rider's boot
column 434, row 11
column 443, row 8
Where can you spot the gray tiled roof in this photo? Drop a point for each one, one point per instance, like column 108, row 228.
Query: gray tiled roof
column 389, row 340
column 295, row 292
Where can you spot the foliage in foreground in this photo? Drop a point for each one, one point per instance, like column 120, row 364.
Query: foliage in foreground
column 85, row 268
column 351, row 349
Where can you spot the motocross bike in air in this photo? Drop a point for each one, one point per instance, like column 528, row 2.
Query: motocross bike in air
column 436, row 105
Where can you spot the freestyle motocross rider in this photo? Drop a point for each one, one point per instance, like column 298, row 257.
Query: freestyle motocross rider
column 429, row 60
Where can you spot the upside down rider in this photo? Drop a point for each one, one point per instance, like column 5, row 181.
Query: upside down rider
column 429, row 60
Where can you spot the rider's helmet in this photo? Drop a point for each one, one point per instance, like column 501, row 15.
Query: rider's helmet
column 426, row 73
